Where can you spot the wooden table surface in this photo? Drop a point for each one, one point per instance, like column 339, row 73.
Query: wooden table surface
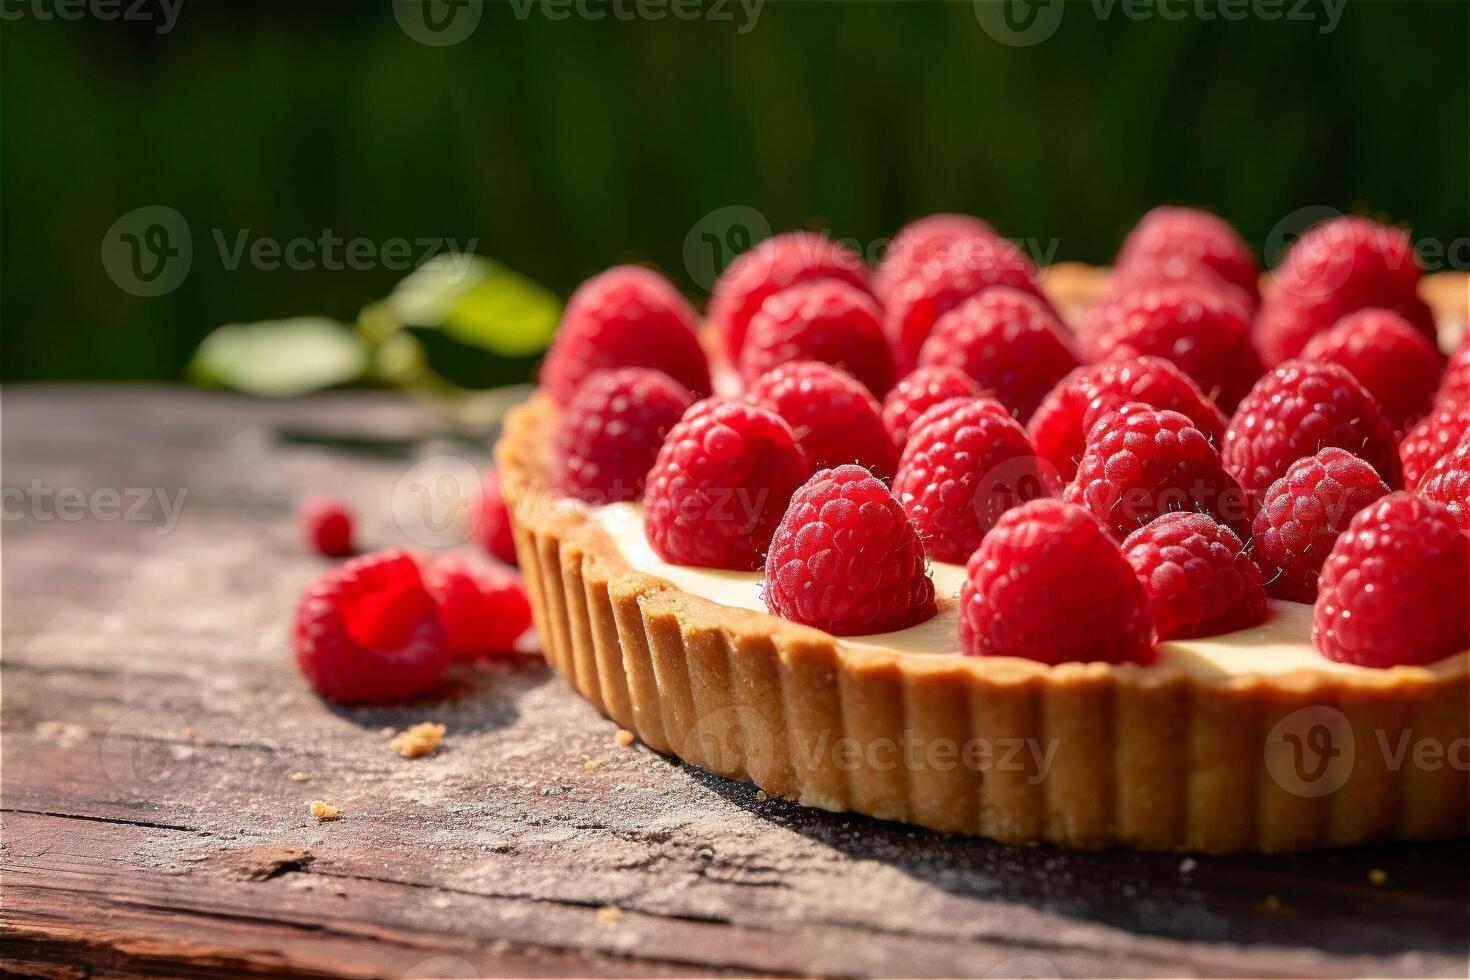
column 153, row 721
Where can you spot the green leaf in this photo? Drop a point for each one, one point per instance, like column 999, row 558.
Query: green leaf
column 480, row 303
column 280, row 358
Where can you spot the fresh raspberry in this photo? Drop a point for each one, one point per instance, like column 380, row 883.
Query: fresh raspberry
column 967, row 462
column 1436, row 434
column 367, row 632
column 836, row 419
column 326, row 524
column 1394, row 590
column 845, row 559
column 1141, row 278
column 1287, row 321
column 929, row 239
column 1048, row 583
column 483, row 607
column 1454, row 384
column 1295, row 410
column 721, row 484
column 920, row 391
column 628, row 316
column 610, row 433
column 488, row 520
column 1394, row 361
column 1199, row 579
column 827, row 320
column 1142, row 462
column 1448, row 482
column 1174, row 238
column 1302, row 514
column 1203, row 334
column 771, row 266
column 1008, row 341
column 1060, row 424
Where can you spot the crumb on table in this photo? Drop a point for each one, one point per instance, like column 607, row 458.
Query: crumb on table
column 324, row 811
column 589, row 765
column 1377, row 876
column 609, row 915
column 420, row 739
column 299, row 777
column 624, row 737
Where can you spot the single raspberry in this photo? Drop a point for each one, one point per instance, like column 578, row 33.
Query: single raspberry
column 1436, row 434
column 628, row 316
column 1448, row 482
column 967, row 462
column 1049, row 583
column 483, row 607
column 721, row 484
column 1141, row 278
column 827, row 320
column 326, row 524
column 1174, row 238
column 610, row 433
column 1199, row 579
column 1008, row 341
column 1287, row 321
column 929, row 239
column 1394, row 590
column 1204, row 335
column 845, row 559
column 771, row 266
column 920, row 391
column 1141, row 463
column 367, row 632
column 1302, row 514
column 1454, row 384
column 1295, row 410
column 488, row 520
column 1060, row 424
column 836, row 419
column 1394, row 361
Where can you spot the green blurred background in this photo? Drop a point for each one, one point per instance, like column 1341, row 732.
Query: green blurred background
column 564, row 145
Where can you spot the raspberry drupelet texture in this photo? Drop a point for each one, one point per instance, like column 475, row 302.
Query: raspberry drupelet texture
column 1398, row 365
column 368, row 632
column 920, row 391
column 1454, row 384
column 610, row 433
column 1295, row 410
column 836, row 419
column 934, row 238
column 326, row 525
column 1448, row 482
column 967, row 462
column 1394, row 590
column 1046, row 556
column 720, row 485
column 1059, row 426
column 483, row 607
column 488, row 520
column 827, row 320
column 628, row 316
column 845, row 559
column 1010, row 342
column 1137, row 279
column 771, row 266
column 1141, row 463
column 1302, row 514
column 1174, row 239
column 1435, row 435
column 1199, row 579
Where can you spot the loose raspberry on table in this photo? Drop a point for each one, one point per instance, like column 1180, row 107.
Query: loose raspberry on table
column 967, row 462
column 1199, row 579
column 1010, row 342
column 610, row 433
column 1394, row 590
column 720, row 485
column 836, row 419
column 771, row 266
column 1398, row 365
column 845, row 559
column 919, row 391
column 488, row 520
column 1302, row 514
column 934, row 238
column 1049, row 583
column 827, row 320
column 1298, row 408
column 1176, row 239
column 482, row 607
column 1059, row 426
column 1454, row 384
column 1141, row 463
column 326, row 525
column 1448, row 482
column 628, row 316
column 1436, row 434
column 368, row 632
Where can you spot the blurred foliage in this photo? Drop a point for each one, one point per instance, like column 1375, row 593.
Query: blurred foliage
column 560, row 146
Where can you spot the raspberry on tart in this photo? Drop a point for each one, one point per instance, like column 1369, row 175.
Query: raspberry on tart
column 326, row 525
column 825, row 320
column 845, row 558
column 1448, row 482
column 1394, row 590
column 610, row 433
column 721, row 484
column 1175, row 239
column 1199, row 578
column 628, row 316
column 1454, row 384
column 1436, row 434
column 836, row 419
column 483, row 607
column 919, row 391
column 488, row 520
column 1398, row 365
column 1045, row 556
column 934, row 238
column 1302, row 514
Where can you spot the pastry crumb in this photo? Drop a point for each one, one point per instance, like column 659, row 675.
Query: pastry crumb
column 610, row 915
column 324, row 811
column 420, row 739
column 1187, row 865
column 589, row 765
column 299, row 777
column 760, row 794
column 624, row 737
column 1272, row 902
column 1377, row 876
